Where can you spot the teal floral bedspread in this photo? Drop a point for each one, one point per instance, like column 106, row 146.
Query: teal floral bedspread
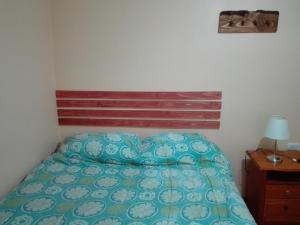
column 116, row 179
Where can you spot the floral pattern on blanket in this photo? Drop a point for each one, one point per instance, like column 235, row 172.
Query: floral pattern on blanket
column 163, row 184
column 60, row 192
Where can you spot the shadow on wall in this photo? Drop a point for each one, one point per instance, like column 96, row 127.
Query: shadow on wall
column 267, row 143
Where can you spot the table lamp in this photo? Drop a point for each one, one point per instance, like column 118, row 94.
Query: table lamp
column 277, row 129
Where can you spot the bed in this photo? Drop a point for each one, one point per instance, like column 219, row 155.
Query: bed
column 117, row 179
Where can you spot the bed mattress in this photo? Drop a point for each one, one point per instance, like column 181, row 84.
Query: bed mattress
column 78, row 191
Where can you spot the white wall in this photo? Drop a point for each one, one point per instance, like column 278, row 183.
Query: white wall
column 173, row 45
column 169, row 45
column 28, row 124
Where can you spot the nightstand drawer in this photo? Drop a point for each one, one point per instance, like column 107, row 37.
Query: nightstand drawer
column 279, row 210
column 273, row 190
column 283, row 191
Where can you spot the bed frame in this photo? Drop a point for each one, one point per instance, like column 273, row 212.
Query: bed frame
column 178, row 110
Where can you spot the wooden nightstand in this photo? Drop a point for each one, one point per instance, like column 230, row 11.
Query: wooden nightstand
column 273, row 190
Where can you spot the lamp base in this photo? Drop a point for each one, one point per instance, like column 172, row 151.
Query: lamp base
column 274, row 158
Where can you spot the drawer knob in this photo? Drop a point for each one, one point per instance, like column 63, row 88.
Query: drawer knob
column 287, row 192
column 285, row 207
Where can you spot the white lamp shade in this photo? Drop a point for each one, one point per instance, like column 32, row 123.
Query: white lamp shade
column 277, row 128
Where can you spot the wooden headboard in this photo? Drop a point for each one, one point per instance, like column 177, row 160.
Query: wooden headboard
column 189, row 110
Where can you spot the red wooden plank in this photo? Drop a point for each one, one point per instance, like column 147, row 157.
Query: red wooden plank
column 139, row 114
column 139, row 104
column 200, row 95
column 140, row 123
